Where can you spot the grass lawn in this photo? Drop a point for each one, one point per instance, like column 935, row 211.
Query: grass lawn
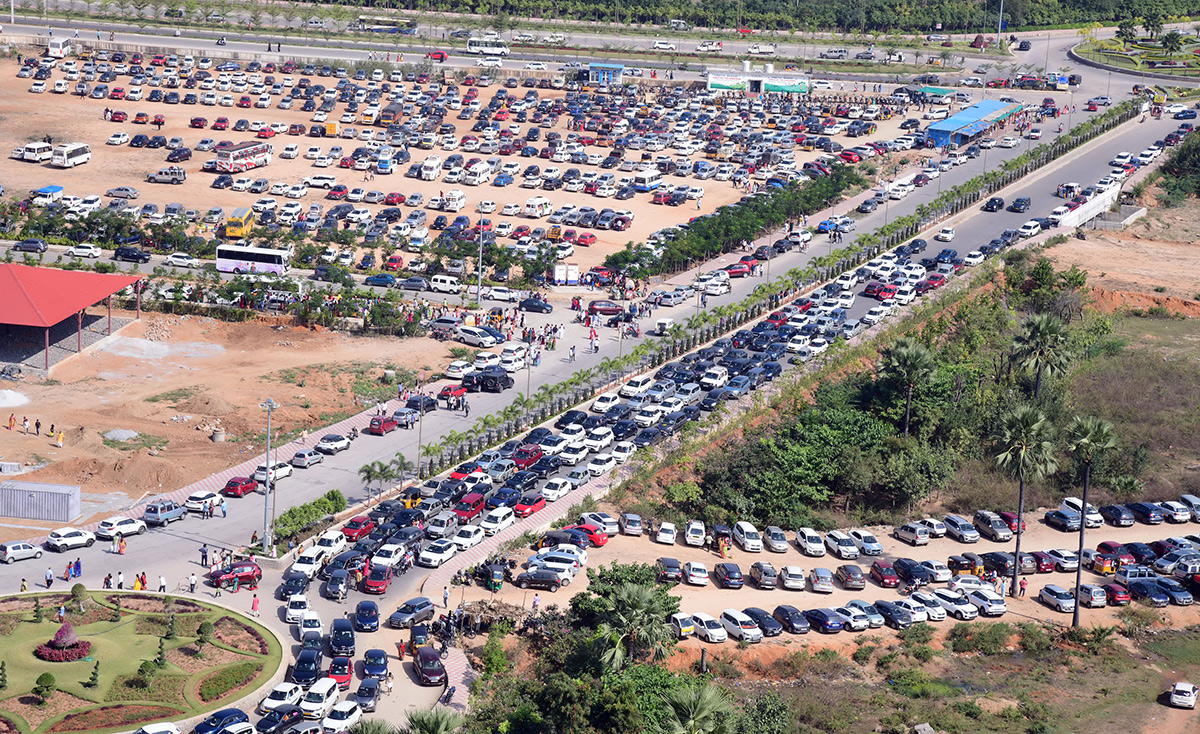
column 121, row 647
column 1175, row 338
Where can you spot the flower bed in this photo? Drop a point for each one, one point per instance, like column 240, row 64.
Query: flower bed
column 154, row 604
column 107, row 717
column 7, row 726
column 240, row 636
column 158, row 624
column 164, row 689
column 223, row 682
column 51, row 654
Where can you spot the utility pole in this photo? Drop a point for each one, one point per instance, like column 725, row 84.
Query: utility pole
column 268, row 500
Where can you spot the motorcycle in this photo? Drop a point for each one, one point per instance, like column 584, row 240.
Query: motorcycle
column 221, row 41
column 912, row 586
column 353, row 433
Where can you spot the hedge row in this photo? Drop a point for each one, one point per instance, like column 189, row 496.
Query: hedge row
column 229, row 679
column 296, row 519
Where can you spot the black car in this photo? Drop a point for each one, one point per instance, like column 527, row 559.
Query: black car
column 728, row 575
column 341, row 637
column 894, row 616
column 1117, row 515
column 293, row 583
column 366, row 616
column 31, row 245
column 539, row 579
column 179, row 154
column 1141, row 552
column 1020, row 204
column 536, row 305
column 546, row 466
column 570, row 417
column 1149, row 593
column 994, row 204
column 769, row 626
column 648, row 437
column 131, row 254
column 791, row 619
column 1146, row 512
column 669, row 570
column 422, row 403
column 312, row 640
column 713, row 399
column 223, row 181
column 307, row 668
column 909, row 570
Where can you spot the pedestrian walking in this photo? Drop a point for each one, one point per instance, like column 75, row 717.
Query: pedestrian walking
column 192, row 582
column 224, row 509
column 162, row 584
column 37, row 427
column 49, row 577
column 204, row 555
column 120, row 579
column 1024, row 583
column 466, row 408
column 60, row 440
column 445, row 595
column 25, row 424
column 24, row 585
column 12, row 420
column 61, row 616
column 537, row 603
column 78, row 568
column 254, row 606
column 121, row 546
column 112, row 547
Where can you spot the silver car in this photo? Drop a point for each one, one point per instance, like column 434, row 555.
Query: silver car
column 775, row 540
column 305, row 458
column 18, row 550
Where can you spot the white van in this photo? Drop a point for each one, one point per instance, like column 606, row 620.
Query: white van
column 319, row 699
column 37, row 152
column 445, row 284
column 478, row 174
column 537, row 207
column 473, row 336
column 454, row 200
column 689, row 393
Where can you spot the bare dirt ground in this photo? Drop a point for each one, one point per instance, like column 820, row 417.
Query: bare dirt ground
column 69, row 118
column 213, row 372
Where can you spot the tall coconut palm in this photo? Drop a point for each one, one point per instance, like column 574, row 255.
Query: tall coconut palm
column 438, row 720
column 1087, row 438
column 703, row 709
column 1041, row 347
column 1025, row 447
column 909, row 362
column 634, row 627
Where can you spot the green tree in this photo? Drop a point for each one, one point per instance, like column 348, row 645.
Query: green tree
column 95, row 679
column 45, row 686
column 1127, row 32
column 375, row 472
column 765, row 713
column 1026, row 452
column 1087, row 438
column 438, row 720
column 1172, row 43
column 703, row 709
column 401, row 466
column 3, row 675
column 908, row 362
column 1041, row 347
column 635, row 627
column 1152, row 23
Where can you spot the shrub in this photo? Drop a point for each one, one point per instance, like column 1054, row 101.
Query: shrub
column 924, row 653
column 862, row 655
column 970, row 709
column 229, row 679
column 918, row 634
column 1034, row 638
column 1136, row 620
column 79, row 594
column 66, row 647
column 986, row 638
column 65, row 637
column 45, row 686
column 916, row 683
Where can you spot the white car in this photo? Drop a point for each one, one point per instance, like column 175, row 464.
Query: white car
column 695, row 573
column 556, row 489
column 605, row 401
column 284, row 694
column 989, row 603
column 468, row 536
column 342, row 717
column 573, row 454
column 459, row 369
column 1183, row 695
column 941, row 572
column 792, row 577
column 118, row 138
column 437, row 553
column 601, row 464
column 1064, row 560
column 599, row 438
column 852, row 619
column 954, row 604
column 966, row 583
column 932, row 606
column 1009, row 142
column 297, row 605
column 738, row 625
column 623, row 450
column 85, row 250
column 974, row 257
column 498, row 519
column 945, row 235
column 708, row 628
column 693, row 533
column 574, row 434
column 810, row 542
column 915, row 609
column 333, row 541
column 666, row 533
column 279, row 470
column 181, row 260
column 119, row 527
column 1029, row 229
column 200, row 501
column 65, row 539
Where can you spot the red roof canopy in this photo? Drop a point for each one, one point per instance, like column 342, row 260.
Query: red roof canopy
column 32, row 296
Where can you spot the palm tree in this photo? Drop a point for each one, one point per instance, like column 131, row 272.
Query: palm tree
column 1087, row 438
column 376, row 471
column 1127, row 32
column 910, row 362
column 373, row 726
column 401, row 466
column 1026, row 451
column 438, row 720
column 1172, row 43
column 703, row 709
column 634, row 628
column 1042, row 347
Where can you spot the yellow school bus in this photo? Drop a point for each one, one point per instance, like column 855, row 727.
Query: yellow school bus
column 239, row 223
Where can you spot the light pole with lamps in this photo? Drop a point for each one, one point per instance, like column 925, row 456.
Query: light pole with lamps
column 268, row 503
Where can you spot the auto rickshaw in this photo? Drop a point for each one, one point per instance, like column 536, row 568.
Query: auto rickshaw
column 1105, row 564
column 960, row 566
column 418, row 637
column 410, row 497
column 976, row 562
column 493, row 577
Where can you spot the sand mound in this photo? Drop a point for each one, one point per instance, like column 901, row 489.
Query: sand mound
column 1110, row 301
column 207, row 403
column 137, row 473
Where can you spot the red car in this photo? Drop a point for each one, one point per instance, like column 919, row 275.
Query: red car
column 778, row 318
column 378, row 580
column 849, row 156
column 569, row 236
column 118, row 93
column 346, row 162
column 394, row 198
column 888, row 292
column 884, row 574
column 439, row 56
column 587, row 239
column 158, row 120
column 594, row 534
column 1011, row 519
column 244, row 102
column 452, row 391
column 266, row 132
column 337, row 192
column 199, row 122
column 521, row 231
column 531, row 502
column 604, row 308
column 527, row 455
column 1045, row 564
column 297, row 129
column 936, row 280
column 737, row 270
column 1118, row 595
column 358, row 527
column 158, row 60
column 381, row 425
column 341, row 669
column 465, row 470
column 221, row 123
column 873, row 289
column 394, row 262
column 1118, row 550
column 245, row 573
column 119, row 116
column 749, row 260
column 239, row 487
column 804, row 304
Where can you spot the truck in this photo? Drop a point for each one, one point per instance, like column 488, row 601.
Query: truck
column 46, row 195
column 761, row 49
column 333, row 129
column 705, row 47
column 170, row 175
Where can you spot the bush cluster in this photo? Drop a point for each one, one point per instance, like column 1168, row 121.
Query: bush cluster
column 296, row 519
column 223, row 681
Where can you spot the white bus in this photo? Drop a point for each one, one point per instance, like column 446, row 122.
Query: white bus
column 487, row 46
column 241, row 259
column 69, row 155
column 379, row 24
column 59, row 48
column 647, row 180
column 244, row 156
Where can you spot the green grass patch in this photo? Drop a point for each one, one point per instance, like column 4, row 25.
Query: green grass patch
column 174, row 397
column 164, row 688
column 1168, row 337
column 1181, row 649
column 223, row 682
column 140, row 441
column 158, row 624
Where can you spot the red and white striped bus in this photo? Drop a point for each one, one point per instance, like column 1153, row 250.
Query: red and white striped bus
column 244, row 156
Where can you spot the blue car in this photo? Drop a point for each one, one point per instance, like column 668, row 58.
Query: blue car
column 504, row 497
column 229, row 66
column 503, row 179
column 375, row 664
column 1185, row 115
column 1146, row 512
column 366, row 616
column 218, row 720
column 384, row 280
column 823, row 620
column 1149, row 593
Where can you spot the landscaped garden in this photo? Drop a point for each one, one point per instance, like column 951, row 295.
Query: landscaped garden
column 1175, row 53
column 122, row 659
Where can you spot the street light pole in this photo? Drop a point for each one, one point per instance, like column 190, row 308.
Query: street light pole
column 270, row 406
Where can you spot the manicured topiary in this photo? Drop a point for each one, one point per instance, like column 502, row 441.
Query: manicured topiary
column 65, row 647
column 3, row 675
column 45, row 687
column 95, row 679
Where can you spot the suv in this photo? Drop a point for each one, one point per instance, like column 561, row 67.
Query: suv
column 841, row 545
column 739, row 625
column 961, row 530
column 163, row 512
column 763, row 575
column 992, row 527
column 131, row 254
column 728, row 575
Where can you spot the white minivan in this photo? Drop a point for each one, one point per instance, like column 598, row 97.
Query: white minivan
column 445, row 284
column 319, row 699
